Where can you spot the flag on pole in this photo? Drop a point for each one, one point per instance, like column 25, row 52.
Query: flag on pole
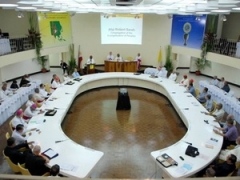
column 79, row 58
column 160, row 56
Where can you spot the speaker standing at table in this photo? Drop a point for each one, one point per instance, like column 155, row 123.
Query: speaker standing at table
column 90, row 66
column 118, row 58
column 139, row 60
column 110, row 56
column 123, row 102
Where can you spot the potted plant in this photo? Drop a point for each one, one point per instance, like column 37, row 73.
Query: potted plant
column 72, row 62
column 169, row 64
column 42, row 61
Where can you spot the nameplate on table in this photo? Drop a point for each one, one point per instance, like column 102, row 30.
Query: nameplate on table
column 51, row 112
column 70, row 83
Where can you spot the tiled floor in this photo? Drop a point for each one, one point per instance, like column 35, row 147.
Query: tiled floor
column 127, row 134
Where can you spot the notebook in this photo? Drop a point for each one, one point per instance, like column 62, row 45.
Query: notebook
column 50, row 153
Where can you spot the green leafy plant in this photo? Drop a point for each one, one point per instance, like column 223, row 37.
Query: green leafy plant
column 35, row 38
column 72, row 62
column 169, row 64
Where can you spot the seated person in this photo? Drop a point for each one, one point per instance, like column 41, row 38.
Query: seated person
column 24, row 81
column 209, row 103
column 18, row 119
column 110, row 56
column 162, row 73
column 209, row 173
column 173, row 76
column 118, row 58
column 226, row 87
column 38, row 97
column 139, row 60
column 14, row 85
column 54, row 171
column 75, row 74
column 202, row 96
column 229, row 133
column 65, row 77
column 214, row 81
column 191, row 89
column 18, row 135
column 43, row 92
column 31, row 100
column 225, row 168
column 4, row 92
column 35, row 162
column 55, row 82
column 184, row 81
column 12, row 151
column 90, row 60
column 236, row 151
column 221, row 83
column 219, row 113
column 29, row 112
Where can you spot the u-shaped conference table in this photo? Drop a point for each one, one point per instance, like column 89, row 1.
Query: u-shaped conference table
column 76, row 160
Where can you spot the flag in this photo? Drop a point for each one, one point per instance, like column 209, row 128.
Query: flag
column 160, row 56
column 79, row 58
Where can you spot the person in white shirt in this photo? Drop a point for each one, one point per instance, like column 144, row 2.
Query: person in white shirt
column 29, row 112
column 214, row 81
column 18, row 134
column 110, row 56
column 139, row 60
column 38, row 97
column 4, row 93
column 221, row 83
column 90, row 60
column 118, row 57
column 236, row 151
column 55, row 82
column 173, row 76
column 184, row 81
column 18, row 119
column 66, row 77
column 31, row 100
column 158, row 71
column 43, row 92
column 218, row 113
column 75, row 74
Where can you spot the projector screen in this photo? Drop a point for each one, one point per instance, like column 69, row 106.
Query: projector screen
column 121, row 29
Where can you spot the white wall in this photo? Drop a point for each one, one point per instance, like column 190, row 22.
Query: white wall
column 183, row 60
column 87, row 33
column 16, row 27
column 54, row 59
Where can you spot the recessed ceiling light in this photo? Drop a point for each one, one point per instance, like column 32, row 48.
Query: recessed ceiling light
column 8, row 5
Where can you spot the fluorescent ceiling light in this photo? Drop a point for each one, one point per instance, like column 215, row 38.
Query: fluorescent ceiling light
column 30, row 2
column 59, row 11
column 220, row 10
column 238, row 8
column 203, row 12
column 8, row 5
column 27, row 8
column 42, row 10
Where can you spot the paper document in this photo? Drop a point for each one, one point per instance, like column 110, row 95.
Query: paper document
column 50, row 153
column 184, row 168
column 68, row 167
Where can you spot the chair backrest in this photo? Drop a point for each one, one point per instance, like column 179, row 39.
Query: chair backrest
column 129, row 58
column 197, row 92
column 7, row 135
column 10, row 126
column 47, row 88
column 13, row 166
column 23, row 170
column 214, row 107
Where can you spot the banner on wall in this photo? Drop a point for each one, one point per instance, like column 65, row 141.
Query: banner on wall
column 55, row 29
column 188, row 30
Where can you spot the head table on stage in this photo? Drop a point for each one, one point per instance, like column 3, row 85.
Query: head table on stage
column 76, row 160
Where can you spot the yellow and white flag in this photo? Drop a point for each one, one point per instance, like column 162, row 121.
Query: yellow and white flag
column 160, row 56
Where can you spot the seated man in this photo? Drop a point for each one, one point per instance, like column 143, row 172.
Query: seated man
column 66, row 77
column 118, row 58
column 162, row 73
column 55, row 82
column 18, row 135
column 18, row 119
column 184, row 81
column 75, row 74
column 209, row 103
column 30, row 111
column 35, row 163
column 4, row 92
column 225, row 168
column 236, row 151
column 24, row 81
column 173, row 76
column 43, row 92
column 14, row 85
column 191, row 89
column 54, row 171
column 214, row 81
column 12, row 151
column 226, row 87
column 229, row 133
column 31, row 100
column 110, row 56
column 219, row 113
column 221, row 83
column 202, row 96
column 38, row 97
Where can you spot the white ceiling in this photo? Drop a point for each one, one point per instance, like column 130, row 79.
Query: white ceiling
column 127, row 6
